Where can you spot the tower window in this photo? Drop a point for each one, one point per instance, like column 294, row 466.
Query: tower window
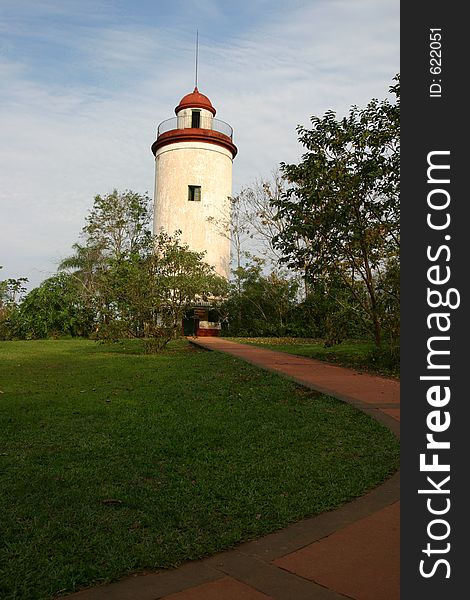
column 195, row 118
column 194, row 193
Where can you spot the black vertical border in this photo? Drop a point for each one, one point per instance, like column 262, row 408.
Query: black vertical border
column 430, row 124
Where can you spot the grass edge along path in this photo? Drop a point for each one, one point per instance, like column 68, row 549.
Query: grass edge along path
column 115, row 462
column 353, row 354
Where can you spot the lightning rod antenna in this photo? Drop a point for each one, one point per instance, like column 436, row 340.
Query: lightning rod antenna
column 197, row 52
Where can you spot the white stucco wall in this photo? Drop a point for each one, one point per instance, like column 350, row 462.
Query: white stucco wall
column 208, row 165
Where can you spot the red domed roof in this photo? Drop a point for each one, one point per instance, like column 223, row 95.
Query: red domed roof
column 195, row 100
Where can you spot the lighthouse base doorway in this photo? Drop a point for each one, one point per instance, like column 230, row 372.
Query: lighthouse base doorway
column 201, row 322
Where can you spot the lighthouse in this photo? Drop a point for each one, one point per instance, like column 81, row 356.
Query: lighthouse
column 194, row 153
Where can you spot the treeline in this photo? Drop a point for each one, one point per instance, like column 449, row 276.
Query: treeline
column 315, row 252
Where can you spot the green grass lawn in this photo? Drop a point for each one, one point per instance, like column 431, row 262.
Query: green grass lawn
column 356, row 354
column 113, row 461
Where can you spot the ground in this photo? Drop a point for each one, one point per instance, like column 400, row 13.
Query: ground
column 124, row 462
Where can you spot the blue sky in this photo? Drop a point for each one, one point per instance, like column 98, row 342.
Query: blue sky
column 84, row 83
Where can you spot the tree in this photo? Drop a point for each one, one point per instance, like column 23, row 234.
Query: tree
column 119, row 223
column 11, row 293
column 252, row 223
column 86, row 268
column 344, row 202
column 117, row 229
column 329, row 312
column 260, row 304
column 150, row 294
column 51, row 309
column 264, row 221
column 267, row 223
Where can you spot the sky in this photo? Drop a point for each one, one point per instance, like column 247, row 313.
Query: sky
column 84, row 84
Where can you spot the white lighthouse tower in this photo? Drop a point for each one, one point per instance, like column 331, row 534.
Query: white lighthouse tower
column 193, row 179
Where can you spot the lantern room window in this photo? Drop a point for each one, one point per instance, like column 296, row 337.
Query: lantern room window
column 194, row 193
column 196, row 118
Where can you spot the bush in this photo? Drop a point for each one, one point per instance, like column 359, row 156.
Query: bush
column 386, row 357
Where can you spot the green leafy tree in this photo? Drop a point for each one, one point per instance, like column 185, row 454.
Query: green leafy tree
column 344, row 203
column 150, row 294
column 52, row 309
column 119, row 223
column 260, row 303
column 11, row 293
column 117, row 230
column 329, row 312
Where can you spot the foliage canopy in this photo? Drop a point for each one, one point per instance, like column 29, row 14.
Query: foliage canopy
column 343, row 202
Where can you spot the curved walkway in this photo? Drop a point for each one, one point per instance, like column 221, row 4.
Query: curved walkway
column 352, row 552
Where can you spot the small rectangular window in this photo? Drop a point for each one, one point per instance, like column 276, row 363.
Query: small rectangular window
column 196, row 118
column 194, row 193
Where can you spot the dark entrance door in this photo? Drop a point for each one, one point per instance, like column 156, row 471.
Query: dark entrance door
column 196, row 119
